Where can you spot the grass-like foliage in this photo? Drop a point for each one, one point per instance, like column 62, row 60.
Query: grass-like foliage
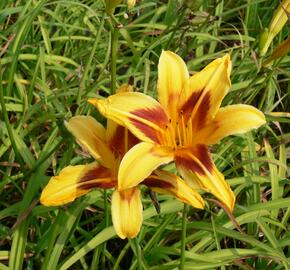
column 57, row 54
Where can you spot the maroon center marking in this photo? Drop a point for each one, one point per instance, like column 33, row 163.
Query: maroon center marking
column 127, row 195
column 132, row 140
column 200, row 118
column 94, row 174
column 117, row 142
column 154, row 115
column 157, row 183
column 200, row 151
column 190, row 103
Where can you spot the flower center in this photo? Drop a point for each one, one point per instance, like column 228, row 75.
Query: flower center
column 179, row 132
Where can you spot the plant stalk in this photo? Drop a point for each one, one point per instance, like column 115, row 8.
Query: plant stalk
column 183, row 237
column 114, row 48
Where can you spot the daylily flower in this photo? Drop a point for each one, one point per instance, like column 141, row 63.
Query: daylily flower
column 181, row 125
column 112, row 4
column 108, row 146
column 131, row 3
column 281, row 50
column 279, row 19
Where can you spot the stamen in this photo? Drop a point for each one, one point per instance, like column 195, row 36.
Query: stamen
column 184, row 134
column 166, row 136
column 117, row 161
column 179, row 134
column 171, row 135
column 189, row 130
column 126, row 140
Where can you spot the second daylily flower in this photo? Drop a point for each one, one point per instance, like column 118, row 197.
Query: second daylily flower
column 108, row 146
column 181, row 125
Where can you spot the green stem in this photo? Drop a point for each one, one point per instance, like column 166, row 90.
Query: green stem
column 89, row 62
column 138, row 253
column 114, row 47
column 106, row 210
column 183, row 237
column 9, row 129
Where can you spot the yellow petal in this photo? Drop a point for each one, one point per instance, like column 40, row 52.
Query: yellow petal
column 111, row 5
column 281, row 50
column 75, row 181
column 91, row 135
column 279, row 19
column 140, row 161
column 230, row 120
column 197, row 169
column 141, row 114
column 125, row 88
column 205, row 91
column 280, row 114
column 127, row 212
column 131, row 3
column 168, row 183
column 172, row 75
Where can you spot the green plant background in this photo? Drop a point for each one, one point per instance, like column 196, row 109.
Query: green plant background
column 57, row 54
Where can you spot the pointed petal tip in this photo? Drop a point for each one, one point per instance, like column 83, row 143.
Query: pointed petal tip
column 228, row 198
column 167, row 53
column 228, row 63
column 226, row 57
column 43, row 200
column 93, row 101
column 98, row 103
column 125, row 88
column 127, row 212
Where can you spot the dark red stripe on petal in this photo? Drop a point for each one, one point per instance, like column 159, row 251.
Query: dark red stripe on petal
column 190, row 103
column 188, row 163
column 101, row 174
column 101, row 183
column 127, row 194
column 202, row 100
column 189, row 159
column 156, row 116
column 202, row 153
column 117, row 142
column 149, row 132
column 132, row 140
column 157, row 183
column 201, row 115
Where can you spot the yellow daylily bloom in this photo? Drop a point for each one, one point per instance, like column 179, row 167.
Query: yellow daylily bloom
column 181, row 125
column 281, row 50
column 112, row 4
column 131, row 3
column 108, row 146
column 279, row 19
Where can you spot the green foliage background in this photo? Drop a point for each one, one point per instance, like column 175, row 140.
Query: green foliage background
column 56, row 54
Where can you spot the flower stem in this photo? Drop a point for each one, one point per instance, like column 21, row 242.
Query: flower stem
column 138, row 253
column 183, row 237
column 8, row 127
column 106, row 210
column 114, row 47
column 84, row 78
